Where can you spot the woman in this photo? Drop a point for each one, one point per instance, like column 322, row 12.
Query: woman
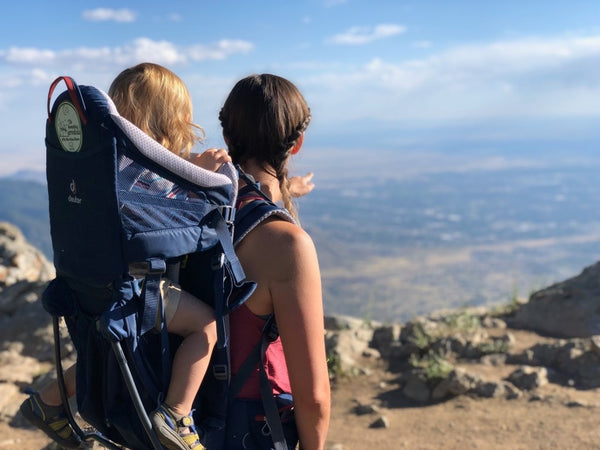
column 263, row 120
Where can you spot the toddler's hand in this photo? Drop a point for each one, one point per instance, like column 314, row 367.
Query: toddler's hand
column 211, row 159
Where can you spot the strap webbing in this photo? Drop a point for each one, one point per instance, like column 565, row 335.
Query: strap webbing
column 244, row 372
column 219, row 297
column 151, row 293
column 257, row 357
column 225, row 238
column 266, row 391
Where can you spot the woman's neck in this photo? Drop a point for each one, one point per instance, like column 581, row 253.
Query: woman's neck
column 269, row 184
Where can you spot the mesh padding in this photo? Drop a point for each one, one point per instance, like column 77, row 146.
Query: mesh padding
column 163, row 157
column 150, row 202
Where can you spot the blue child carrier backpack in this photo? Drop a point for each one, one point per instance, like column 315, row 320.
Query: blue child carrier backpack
column 99, row 228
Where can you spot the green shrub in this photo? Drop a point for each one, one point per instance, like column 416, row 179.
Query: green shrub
column 434, row 367
column 462, row 321
column 334, row 366
column 494, row 346
column 420, row 337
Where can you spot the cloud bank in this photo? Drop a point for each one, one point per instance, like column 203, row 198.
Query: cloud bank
column 112, row 59
column 520, row 79
column 530, row 77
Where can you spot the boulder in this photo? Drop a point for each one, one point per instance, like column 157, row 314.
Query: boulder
column 347, row 340
column 567, row 309
column 417, row 389
column 458, row 382
column 490, row 389
column 384, row 338
column 529, row 378
column 381, row 422
column 19, row 260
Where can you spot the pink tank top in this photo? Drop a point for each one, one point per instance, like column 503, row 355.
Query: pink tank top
column 245, row 332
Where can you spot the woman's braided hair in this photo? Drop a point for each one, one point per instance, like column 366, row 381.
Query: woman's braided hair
column 262, row 119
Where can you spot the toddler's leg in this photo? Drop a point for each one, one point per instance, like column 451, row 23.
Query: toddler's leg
column 193, row 320
column 50, row 394
column 45, row 411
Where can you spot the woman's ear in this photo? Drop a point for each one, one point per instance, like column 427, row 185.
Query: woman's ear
column 298, row 145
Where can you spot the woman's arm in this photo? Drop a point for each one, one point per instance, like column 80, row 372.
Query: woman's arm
column 295, row 288
column 301, row 185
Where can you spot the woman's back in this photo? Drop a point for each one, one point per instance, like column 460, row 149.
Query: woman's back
column 263, row 119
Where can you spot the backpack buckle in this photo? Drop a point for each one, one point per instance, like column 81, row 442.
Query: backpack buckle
column 228, row 213
column 218, row 261
column 220, row 371
column 156, row 266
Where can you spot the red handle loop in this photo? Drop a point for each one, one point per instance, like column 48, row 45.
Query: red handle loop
column 74, row 94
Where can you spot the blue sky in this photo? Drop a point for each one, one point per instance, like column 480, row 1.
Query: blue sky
column 395, row 74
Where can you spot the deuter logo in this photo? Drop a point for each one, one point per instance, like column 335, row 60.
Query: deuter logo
column 73, row 197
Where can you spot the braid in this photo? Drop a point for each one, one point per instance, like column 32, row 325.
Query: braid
column 286, row 197
column 282, row 173
column 295, row 135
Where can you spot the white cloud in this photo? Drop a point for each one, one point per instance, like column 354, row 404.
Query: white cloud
column 40, row 77
column 219, row 50
column 28, row 77
column 106, row 14
column 365, row 35
column 28, row 55
column 115, row 58
column 161, row 52
column 530, row 77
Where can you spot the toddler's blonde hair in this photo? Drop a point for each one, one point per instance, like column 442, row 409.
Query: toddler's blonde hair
column 156, row 100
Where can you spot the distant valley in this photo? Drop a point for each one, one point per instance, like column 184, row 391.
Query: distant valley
column 427, row 233
column 415, row 236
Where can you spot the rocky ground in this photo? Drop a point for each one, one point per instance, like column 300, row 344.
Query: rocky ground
column 373, row 408
column 552, row 416
column 525, row 376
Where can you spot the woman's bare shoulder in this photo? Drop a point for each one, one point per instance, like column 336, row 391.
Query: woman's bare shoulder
column 279, row 246
column 280, row 234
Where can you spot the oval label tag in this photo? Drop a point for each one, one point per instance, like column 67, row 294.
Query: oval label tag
column 68, row 127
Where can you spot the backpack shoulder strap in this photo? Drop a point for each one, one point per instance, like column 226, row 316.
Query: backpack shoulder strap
column 255, row 208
